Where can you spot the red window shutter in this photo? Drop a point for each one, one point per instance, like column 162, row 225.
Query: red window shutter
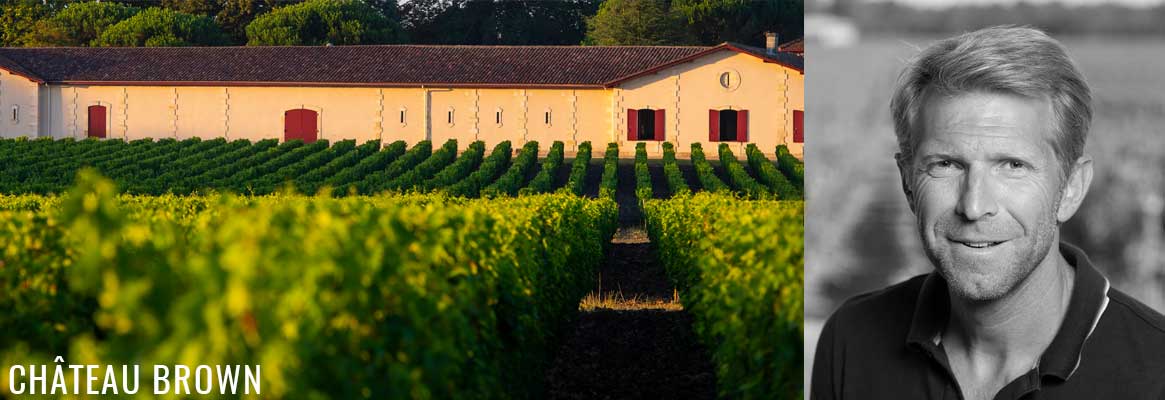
column 97, row 121
column 632, row 124
column 713, row 125
column 798, row 126
column 659, row 123
column 308, row 125
column 290, row 125
column 742, row 126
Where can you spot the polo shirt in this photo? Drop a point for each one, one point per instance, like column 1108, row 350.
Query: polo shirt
column 885, row 345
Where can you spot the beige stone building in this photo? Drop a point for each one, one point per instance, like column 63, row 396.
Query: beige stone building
column 727, row 93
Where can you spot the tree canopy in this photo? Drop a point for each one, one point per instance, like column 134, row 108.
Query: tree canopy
column 78, row 24
column 163, row 27
column 637, row 22
column 317, row 22
column 494, row 22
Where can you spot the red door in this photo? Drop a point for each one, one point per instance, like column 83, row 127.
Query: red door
column 300, row 124
column 97, row 121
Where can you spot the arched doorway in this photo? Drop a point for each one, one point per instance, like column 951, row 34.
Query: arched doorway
column 97, row 121
column 300, row 124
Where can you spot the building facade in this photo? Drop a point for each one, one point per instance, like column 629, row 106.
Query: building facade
column 627, row 94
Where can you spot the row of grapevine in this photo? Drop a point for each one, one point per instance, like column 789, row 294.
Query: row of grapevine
column 791, row 166
column 770, row 175
column 578, row 169
column 739, row 266
column 493, row 165
column 704, row 171
column 739, row 177
column 671, row 169
column 610, row 179
column 509, row 183
column 544, row 181
column 466, row 163
column 412, row 296
column 642, row 174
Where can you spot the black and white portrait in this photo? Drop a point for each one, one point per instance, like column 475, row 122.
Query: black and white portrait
column 985, row 213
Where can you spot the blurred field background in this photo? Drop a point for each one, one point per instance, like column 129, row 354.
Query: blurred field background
column 860, row 234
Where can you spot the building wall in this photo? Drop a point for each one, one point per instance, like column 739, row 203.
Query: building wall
column 17, row 91
column 769, row 91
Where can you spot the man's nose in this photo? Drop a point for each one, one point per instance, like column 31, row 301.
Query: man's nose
column 978, row 198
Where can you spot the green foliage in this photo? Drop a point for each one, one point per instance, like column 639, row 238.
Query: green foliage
column 18, row 19
column 400, row 297
column 704, row 172
column 637, row 22
column 510, row 182
column 424, row 170
column 163, row 27
column 769, row 174
column 560, row 22
column 375, row 181
column 793, row 168
column 310, row 181
column 493, row 165
column 578, row 170
column 742, row 21
column 675, row 178
column 740, row 178
column 317, row 22
column 78, row 24
column 544, row 181
column 610, row 181
column 642, row 174
column 468, row 162
column 235, row 15
column 740, row 267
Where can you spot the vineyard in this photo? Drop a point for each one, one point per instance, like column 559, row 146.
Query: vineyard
column 169, row 166
column 421, row 272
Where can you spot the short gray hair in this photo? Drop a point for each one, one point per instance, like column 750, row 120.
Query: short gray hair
column 1003, row 59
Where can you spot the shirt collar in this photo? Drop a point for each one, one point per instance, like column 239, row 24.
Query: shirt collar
column 1089, row 299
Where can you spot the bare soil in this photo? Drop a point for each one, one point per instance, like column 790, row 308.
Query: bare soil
column 643, row 346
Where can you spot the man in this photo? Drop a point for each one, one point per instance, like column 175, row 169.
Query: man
column 991, row 128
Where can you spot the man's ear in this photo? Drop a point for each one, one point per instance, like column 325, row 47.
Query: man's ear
column 904, row 172
column 1075, row 188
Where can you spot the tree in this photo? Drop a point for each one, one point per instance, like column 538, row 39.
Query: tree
column 316, row 22
column 496, row 21
column 637, row 22
column 18, row 18
column 237, row 14
column 745, row 21
column 163, row 27
column 197, row 7
column 78, row 24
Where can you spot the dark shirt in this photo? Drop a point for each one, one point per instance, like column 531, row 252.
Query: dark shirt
column 884, row 345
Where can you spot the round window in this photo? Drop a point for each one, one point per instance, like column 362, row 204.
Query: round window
column 730, row 80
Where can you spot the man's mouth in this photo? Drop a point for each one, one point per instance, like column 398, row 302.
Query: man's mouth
column 977, row 244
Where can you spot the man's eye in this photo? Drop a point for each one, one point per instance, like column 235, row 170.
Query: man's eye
column 942, row 168
column 1014, row 164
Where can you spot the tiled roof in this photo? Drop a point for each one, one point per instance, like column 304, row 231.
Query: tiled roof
column 780, row 57
column 796, row 46
column 405, row 65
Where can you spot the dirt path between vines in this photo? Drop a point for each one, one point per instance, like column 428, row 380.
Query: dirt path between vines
column 631, row 340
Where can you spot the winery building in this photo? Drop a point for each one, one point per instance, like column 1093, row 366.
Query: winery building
column 626, row 94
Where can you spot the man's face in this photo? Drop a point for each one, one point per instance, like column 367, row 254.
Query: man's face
column 985, row 186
